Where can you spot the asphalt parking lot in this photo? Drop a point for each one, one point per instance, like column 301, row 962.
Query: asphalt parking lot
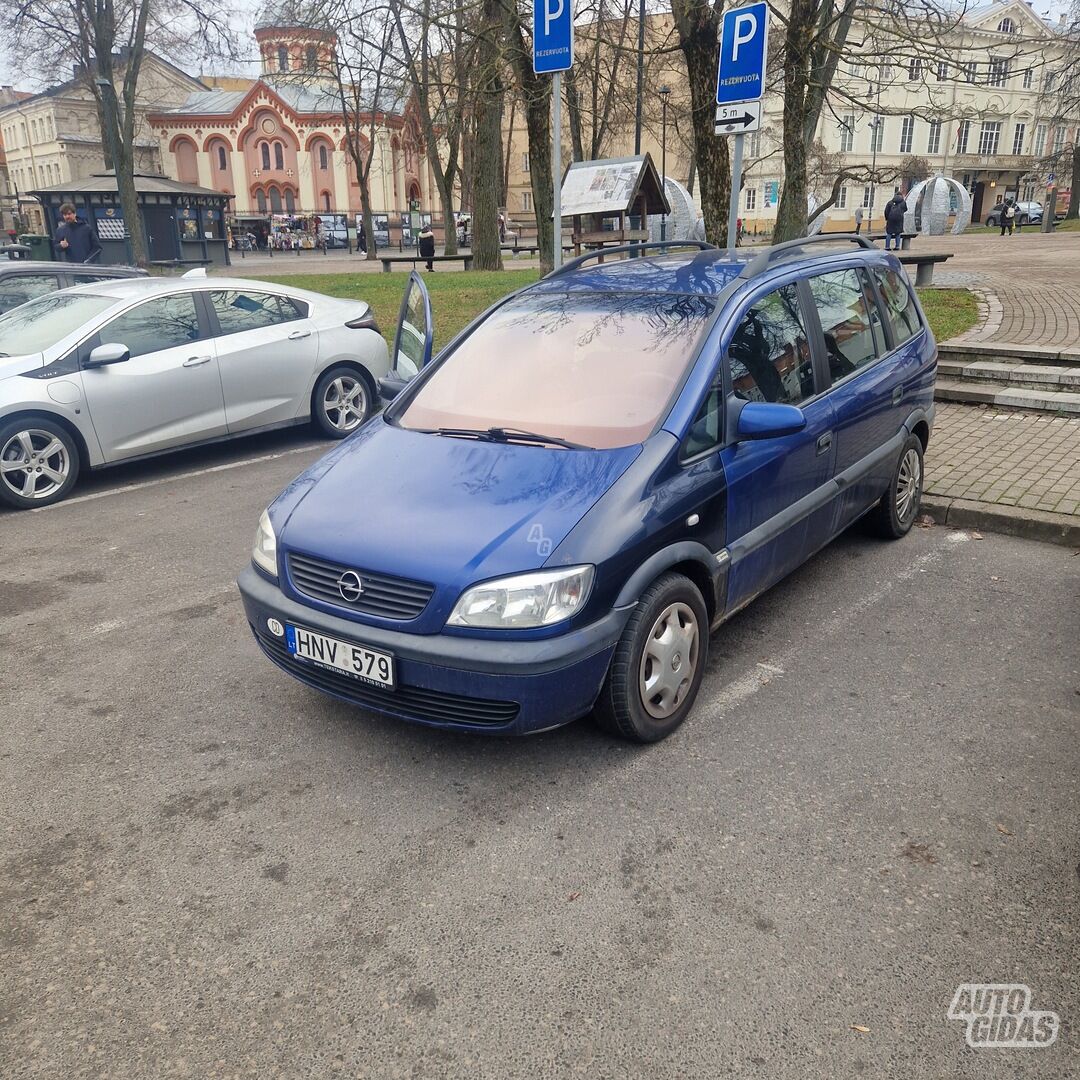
column 208, row 870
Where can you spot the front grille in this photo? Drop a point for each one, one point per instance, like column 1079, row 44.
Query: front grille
column 388, row 597
column 411, row 701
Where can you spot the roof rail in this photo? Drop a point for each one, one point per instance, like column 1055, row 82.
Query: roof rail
column 761, row 262
column 573, row 264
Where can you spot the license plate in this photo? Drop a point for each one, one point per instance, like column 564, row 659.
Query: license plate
column 361, row 663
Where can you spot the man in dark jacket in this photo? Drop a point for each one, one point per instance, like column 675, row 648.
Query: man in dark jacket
column 425, row 244
column 75, row 237
column 894, row 220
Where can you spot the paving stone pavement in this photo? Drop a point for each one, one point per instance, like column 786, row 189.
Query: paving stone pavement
column 1005, row 458
column 1030, row 281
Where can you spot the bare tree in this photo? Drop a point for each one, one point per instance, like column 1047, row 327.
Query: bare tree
column 107, row 42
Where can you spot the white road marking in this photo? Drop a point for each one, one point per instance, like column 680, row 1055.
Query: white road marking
column 745, row 686
column 177, row 476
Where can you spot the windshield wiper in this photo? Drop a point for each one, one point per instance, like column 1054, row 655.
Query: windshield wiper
column 506, row 434
column 503, row 435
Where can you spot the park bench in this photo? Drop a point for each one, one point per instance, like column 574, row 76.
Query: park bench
column 388, row 260
column 905, row 239
column 924, row 266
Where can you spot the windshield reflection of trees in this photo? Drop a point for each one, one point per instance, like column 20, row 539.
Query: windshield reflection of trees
column 671, row 320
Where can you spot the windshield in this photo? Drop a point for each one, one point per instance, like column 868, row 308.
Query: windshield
column 592, row 368
column 41, row 323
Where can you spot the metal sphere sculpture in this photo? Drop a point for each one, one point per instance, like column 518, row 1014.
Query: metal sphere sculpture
column 929, row 203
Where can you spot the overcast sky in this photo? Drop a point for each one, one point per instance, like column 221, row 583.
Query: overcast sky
column 242, row 21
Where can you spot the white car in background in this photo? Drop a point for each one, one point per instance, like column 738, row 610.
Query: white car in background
column 118, row 370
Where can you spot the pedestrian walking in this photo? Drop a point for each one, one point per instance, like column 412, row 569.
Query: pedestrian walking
column 858, row 220
column 76, row 238
column 894, row 220
column 425, row 245
column 1008, row 217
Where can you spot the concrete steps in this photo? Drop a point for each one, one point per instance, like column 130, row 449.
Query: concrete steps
column 1010, row 377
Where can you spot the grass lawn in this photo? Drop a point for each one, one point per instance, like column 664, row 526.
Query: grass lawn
column 457, row 298
column 949, row 311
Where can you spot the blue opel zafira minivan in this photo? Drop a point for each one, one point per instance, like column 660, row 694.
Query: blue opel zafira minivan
column 550, row 517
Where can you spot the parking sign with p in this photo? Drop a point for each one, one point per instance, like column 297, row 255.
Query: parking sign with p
column 553, row 36
column 744, row 36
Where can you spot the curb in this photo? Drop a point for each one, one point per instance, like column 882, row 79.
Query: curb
column 1019, row 521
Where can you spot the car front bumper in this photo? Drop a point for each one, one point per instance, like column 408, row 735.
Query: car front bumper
column 449, row 681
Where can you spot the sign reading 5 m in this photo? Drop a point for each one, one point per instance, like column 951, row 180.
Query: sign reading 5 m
column 553, row 36
column 744, row 37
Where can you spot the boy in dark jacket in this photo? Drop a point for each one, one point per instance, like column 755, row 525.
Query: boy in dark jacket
column 76, row 239
column 894, row 220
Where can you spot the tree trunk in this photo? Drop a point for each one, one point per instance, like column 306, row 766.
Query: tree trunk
column 1074, row 198
column 119, row 135
column 536, row 98
column 367, row 222
column 573, row 111
column 698, row 25
column 487, row 254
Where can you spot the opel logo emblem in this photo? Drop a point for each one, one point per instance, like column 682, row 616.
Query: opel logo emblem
column 350, row 586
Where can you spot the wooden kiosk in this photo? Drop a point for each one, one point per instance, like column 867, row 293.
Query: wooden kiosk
column 601, row 195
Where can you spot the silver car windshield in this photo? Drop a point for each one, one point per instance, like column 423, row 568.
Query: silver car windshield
column 39, row 324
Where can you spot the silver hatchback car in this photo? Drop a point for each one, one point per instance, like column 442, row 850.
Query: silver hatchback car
column 118, row 370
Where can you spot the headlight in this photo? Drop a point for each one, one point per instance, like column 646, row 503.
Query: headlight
column 524, row 601
column 264, row 554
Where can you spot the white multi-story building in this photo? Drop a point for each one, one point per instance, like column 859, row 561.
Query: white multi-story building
column 54, row 137
column 979, row 106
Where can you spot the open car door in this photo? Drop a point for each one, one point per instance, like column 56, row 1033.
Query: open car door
column 413, row 340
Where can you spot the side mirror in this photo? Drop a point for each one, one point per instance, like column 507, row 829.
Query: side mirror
column 766, row 420
column 113, row 353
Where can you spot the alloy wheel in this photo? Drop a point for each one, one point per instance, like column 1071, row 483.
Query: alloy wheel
column 345, row 403
column 908, row 485
column 669, row 661
column 34, row 464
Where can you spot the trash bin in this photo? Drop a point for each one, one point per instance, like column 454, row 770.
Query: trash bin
column 40, row 246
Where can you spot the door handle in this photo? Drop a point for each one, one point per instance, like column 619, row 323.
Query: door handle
column 823, row 443
column 296, row 335
column 897, row 395
column 197, row 361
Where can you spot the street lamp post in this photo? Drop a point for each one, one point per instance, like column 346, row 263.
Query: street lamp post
column 665, row 93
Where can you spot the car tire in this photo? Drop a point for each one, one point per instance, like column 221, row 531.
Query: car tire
column 894, row 515
column 51, row 457
column 1023, row 219
column 671, row 606
column 342, row 401
column 991, row 222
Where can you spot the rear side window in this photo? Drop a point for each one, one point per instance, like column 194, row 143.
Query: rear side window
column 89, row 279
column 769, row 355
column 18, row 288
column 852, row 337
column 238, row 311
column 158, row 324
column 899, row 304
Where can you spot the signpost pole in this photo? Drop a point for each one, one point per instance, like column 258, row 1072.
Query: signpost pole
column 556, row 165
column 736, row 187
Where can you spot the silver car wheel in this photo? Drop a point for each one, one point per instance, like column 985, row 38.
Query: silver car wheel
column 345, row 403
column 669, row 661
column 908, row 485
column 34, row 464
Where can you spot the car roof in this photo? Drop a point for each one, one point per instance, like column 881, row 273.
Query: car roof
column 35, row 266
column 707, row 272
column 134, row 287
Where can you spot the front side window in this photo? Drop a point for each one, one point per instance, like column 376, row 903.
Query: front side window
column 851, row 338
column 769, row 355
column 899, row 304
column 164, row 323
column 18, row 288
column 595, row 368
column 41, row 323
column 239, row 311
